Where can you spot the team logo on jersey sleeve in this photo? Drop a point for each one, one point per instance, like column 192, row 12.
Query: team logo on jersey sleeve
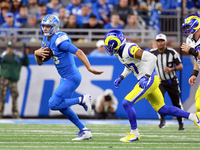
column 132, row 50
column 44, row 43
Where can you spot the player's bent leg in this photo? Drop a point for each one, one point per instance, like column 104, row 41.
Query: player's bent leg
column 134, row 135
column 130, row 111
column 57, row 102
column 86, row 103
column 71, row 115
column 84, row 133
column 173, row 111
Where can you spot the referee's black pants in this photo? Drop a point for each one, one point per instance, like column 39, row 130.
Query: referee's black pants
column 173, row 90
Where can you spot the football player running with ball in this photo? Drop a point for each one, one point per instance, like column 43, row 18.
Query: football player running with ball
column 142, row 64
column 61, row 100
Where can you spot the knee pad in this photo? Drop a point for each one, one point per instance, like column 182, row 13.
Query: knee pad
column 54, row 101
column 52, row 106
column 127, row 104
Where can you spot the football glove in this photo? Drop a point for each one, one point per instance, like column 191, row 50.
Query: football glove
column 143, row 82
column 117, row 82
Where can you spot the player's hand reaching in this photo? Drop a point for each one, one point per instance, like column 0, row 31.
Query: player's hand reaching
column 185, row 47
column 143, row 82
column 192, row 80
column 94, row 71
column 118, row 81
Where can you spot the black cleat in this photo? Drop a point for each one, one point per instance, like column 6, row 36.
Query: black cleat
column 162, row 123
column 181, row 127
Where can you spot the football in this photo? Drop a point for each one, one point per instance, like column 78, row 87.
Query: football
column 47, row 57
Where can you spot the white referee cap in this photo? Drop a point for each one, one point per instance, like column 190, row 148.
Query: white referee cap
column 100, row 43
column 161, row 37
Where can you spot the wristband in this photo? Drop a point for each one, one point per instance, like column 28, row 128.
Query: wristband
column 193, row 52
column 147, row 75
column 121, row 76
column 195, row 73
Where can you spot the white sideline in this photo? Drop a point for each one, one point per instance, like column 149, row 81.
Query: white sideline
column 86, row 121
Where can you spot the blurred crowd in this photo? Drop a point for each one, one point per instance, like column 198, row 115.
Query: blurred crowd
column 90, row 14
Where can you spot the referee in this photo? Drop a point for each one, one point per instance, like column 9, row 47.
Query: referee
column 168, row 62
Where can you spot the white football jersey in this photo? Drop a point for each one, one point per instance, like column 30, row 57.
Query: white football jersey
column 138, row 67
column 196, row 45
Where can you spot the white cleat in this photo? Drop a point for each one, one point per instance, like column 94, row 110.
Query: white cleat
column 83, row 135
column 86, row 103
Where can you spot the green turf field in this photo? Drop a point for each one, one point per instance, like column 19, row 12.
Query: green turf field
column 58, row 137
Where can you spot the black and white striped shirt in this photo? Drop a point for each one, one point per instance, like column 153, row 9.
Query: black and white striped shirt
column 169, row 58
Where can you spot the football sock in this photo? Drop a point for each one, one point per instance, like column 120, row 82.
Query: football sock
column 135, row 132
column 80, row 98
column 173, row 111
column 128, row 106
column 192, row 117
column 70, row 114
column 84, row 128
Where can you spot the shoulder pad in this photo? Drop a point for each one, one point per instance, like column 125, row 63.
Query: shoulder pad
column 61, row 37
column 133, row 49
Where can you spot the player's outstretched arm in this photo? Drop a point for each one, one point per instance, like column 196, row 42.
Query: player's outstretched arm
column 40, row 52
column 80, row 54
column 188, row 49
column 194, row 75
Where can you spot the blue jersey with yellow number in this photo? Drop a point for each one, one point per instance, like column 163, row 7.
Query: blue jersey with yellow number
column 62, row 48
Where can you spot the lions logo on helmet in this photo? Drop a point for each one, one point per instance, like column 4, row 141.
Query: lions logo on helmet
column 113, row 41
column 52, row 21
column 191, row 24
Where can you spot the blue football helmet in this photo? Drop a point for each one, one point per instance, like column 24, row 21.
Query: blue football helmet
column 191, row 24
column 113, row 41
column 52, row 21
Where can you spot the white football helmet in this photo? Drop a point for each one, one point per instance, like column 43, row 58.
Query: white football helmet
column 50, row 20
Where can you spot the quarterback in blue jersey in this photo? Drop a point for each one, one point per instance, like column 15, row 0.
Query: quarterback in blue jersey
column 61, row 100
column 142, row 64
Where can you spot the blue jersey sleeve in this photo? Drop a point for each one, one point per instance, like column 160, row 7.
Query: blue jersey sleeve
column 63, row 42
column 66, row 46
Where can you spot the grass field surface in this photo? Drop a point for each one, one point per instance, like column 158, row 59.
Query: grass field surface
column 52, row 136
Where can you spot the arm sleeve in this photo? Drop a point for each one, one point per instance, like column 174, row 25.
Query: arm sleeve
column 66, row 46
column 151, row 61
column 126, row 72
